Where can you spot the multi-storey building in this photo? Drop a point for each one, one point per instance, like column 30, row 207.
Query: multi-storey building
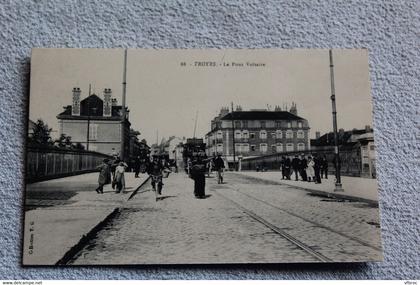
column 95, row 123
column 256, row 133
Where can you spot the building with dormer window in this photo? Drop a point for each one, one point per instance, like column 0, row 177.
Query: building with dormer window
column 95, row 122
column 257, row 132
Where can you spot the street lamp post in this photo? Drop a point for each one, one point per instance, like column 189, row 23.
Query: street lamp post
column 122, row 146
column 338, row 186
column 233, row 140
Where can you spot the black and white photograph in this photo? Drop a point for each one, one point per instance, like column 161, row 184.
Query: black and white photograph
column 212, row 156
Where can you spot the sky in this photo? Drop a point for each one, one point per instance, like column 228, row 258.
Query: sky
column 167, row 88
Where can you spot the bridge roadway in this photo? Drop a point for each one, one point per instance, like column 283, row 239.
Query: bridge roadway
column 245, row 220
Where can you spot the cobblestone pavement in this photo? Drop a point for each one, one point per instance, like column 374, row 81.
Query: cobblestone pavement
column 181, row 229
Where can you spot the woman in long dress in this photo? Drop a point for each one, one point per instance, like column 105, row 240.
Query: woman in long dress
column 311, row 171
column 103, row 176
column 198, row 171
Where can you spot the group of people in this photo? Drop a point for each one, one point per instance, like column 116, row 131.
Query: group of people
column 310, row 168
column 201, row 165
column 111, row 171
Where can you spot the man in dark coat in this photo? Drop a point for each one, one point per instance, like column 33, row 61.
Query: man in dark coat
column 198, row 171
column 103, row 176
column 303, row 164
column 136, row 166
column 219, row 165
column 287, row 166
column 295, row 166
column 317, row 169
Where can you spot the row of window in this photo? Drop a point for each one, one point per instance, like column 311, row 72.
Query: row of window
column 263, row 134
column 263, row 147
column 264, row 124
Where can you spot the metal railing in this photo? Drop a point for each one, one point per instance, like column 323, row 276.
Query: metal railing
column 43, row 163
column 350, row 157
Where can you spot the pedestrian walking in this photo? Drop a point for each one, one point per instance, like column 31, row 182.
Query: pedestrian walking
column 324, row 167
column 303, row 165
column 119, row 177
column 295, row 166
column 287, row 167
column 310, row 169
column 219, row 165
column 155, row 170
column 103, row 176
column 198, row 171
column 317, row 169
column 136, row 167
column 115, row 162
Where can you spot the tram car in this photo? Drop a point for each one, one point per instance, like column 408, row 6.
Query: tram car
column 193, row 148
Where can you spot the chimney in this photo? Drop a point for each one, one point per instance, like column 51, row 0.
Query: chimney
column 75, row 108
column 293, row 109
column 317, row 135
column 107, row 102
column 224, row 111
column 114, row 101
column 368, row 129
column 277, row 108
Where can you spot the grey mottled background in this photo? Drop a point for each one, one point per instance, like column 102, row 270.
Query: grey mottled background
column 389, row 29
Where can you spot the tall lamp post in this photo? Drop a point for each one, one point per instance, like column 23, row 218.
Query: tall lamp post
column 233, row 140
column 123, row 107
column 338, row 186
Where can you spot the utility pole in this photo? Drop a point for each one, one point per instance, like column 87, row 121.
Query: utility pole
column 233, row 139
column 338, row 186
column 124, row 83
column 195, row 124
column 88, row 120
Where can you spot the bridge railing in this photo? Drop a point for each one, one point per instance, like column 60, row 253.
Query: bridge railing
column 350, row 157
column 43, row 163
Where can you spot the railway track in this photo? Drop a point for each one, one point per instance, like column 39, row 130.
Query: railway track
column 308, row 249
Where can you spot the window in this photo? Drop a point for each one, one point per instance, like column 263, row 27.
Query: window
column 245, row 134
column 252, row 147
column 278, row 124
column 299, row 124
column 93, row 131
column 238, row 134
column 273, row 148
column 279, row 147
column 245, row 124
column 245, row 147
column 273, row 135
column 263, row 135
column 289, row 147
column 219, row 135
column 289, row 134
column 300, row 146
column 278, row 134
column 300, row 134
column 252, row 135
column 238, row 124
column 219, row 148
column 263, row 147
column 262, row 123
column 372, row 147
column 289, row 124
column 238, row 147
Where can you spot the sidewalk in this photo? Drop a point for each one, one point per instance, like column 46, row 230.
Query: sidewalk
column 355, row 188
column 52, row 231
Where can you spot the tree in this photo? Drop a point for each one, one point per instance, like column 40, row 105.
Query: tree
column 64, row 141
column 41, row 133
column 78, row 146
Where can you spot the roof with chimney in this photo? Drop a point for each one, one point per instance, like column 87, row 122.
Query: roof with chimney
column 92, row 107
column 261, row 115
column 344, row 137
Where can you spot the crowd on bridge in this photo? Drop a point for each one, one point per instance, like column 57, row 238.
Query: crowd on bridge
column 309, row 168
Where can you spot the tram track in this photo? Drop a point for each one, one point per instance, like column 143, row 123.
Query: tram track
column 297, row 242
column 317, row 255
column 355, row 239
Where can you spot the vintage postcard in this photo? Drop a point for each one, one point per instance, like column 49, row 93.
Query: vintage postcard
column 200, row 157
